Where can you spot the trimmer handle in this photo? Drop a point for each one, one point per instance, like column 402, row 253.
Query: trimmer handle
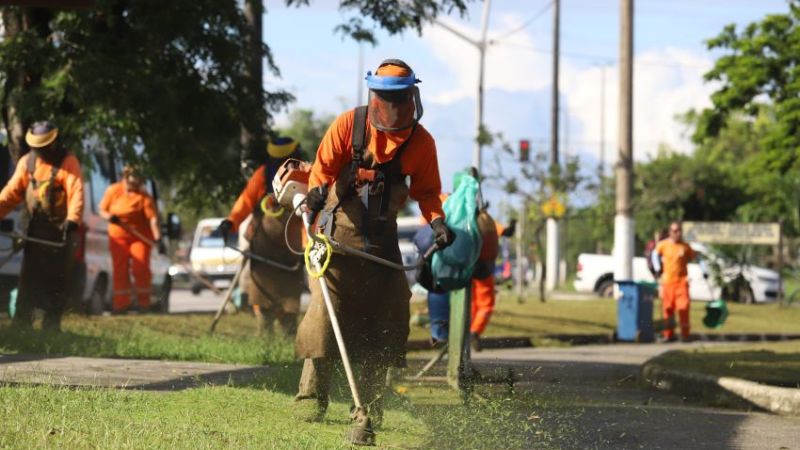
column 429, row 253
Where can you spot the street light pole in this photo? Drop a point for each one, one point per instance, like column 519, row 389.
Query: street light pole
column 623, row 222
column 481, row 45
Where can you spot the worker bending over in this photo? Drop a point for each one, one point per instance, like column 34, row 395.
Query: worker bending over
column 48, row 179
column 273, row 291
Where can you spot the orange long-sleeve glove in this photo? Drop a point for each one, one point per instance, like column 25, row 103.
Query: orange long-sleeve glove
column 68, row 176
column 251, row 195
column 418, row 161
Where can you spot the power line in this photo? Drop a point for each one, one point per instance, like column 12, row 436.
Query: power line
column 598, row 57
column 524, row 24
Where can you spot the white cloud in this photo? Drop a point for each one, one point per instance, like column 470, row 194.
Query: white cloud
column 504, row 68
column 667, row 82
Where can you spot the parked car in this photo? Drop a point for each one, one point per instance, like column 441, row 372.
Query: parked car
column 744, row 283
column 92, row 285
column 209, row 256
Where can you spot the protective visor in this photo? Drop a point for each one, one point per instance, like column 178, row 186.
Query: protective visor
column 394, row 110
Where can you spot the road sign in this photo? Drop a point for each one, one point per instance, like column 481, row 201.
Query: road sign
column 553, row 208
column 732, row 233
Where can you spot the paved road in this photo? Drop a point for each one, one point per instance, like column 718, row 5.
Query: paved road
column 598, row 386
column 183, row 301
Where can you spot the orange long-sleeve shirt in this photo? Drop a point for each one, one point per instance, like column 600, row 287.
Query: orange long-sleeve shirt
column 418, row 161
column 250, row 197
column 68, row 176
column 675, row 259
column 134, row 208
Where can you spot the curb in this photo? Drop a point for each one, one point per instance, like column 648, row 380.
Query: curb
column 500, row 342
column 722, row 391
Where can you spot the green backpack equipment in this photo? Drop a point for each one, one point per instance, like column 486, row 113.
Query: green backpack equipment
column 452, row 267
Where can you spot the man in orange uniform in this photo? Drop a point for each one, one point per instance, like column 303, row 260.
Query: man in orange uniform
column 675, row 255
column 273, row 291
column 365, row 156
column 48, row 180
column 483, row 295
column 133, row 228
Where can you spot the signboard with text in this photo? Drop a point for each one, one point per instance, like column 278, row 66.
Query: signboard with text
column 732, row 233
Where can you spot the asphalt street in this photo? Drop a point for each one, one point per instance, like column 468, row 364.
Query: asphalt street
column 183, row 301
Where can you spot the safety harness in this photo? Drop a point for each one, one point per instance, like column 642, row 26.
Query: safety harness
column 377, row 178
column 46, row 202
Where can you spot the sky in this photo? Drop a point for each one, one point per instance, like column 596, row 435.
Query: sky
column 321, row 68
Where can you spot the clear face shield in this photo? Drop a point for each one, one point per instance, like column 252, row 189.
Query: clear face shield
column 394, row 110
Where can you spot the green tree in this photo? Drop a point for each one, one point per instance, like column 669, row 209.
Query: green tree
column 163, row 83
column 306, row 128
column 759, row 82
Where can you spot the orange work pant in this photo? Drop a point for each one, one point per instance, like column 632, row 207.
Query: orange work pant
column 675, row 297
column 129, row 254
column 482, row 303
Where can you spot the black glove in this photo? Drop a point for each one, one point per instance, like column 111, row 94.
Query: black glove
column 442, row 236
column 68, row 228
column 315, row 201
column 224, row 229
column 510, row 229
column 114, row 219
column 162, row 248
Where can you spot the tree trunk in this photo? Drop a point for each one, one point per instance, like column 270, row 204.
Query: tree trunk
column 253, row 130
column 22, row 79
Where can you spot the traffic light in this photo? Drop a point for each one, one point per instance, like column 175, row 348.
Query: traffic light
column 524, row 150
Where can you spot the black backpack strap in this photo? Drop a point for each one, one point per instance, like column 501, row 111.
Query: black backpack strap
column 391, row 173
column 32, row 168
column 359, row 140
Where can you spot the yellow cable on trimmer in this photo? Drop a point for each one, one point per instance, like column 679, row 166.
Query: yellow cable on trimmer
column 321, row 238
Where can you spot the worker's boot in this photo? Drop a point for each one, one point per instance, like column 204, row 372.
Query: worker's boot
column 475, row 342
column 362, row 432
column 311, row 401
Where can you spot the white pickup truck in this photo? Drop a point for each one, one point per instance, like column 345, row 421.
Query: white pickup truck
column 746, row 284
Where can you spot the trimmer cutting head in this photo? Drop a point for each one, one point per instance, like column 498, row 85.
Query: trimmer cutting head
column 362, row 432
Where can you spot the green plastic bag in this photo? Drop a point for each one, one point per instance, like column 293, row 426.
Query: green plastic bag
column 452, row 267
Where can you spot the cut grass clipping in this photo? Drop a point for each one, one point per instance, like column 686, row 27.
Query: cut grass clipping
column 260, row 417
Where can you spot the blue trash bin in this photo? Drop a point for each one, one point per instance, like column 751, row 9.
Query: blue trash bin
column 635, row 311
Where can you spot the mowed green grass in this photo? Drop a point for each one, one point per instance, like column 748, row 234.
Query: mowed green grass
column 182, row 337
column 770, row 362
column 536, row 319
column 185, row 336
column 203, row 418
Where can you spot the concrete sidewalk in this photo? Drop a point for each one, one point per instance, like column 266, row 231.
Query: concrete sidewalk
column 598, row 385
column 121, row 373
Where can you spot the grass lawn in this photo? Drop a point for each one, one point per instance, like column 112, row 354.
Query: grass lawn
column 255, row 417
column 537, row 319
column 185, row 336
column 772, row 363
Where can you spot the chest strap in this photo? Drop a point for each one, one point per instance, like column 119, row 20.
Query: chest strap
column 51, row 191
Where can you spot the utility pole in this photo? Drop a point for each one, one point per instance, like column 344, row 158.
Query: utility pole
column 601, row 168
column 553, row 246
column 623, row 222
column 481, row 45
column 360, row 85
